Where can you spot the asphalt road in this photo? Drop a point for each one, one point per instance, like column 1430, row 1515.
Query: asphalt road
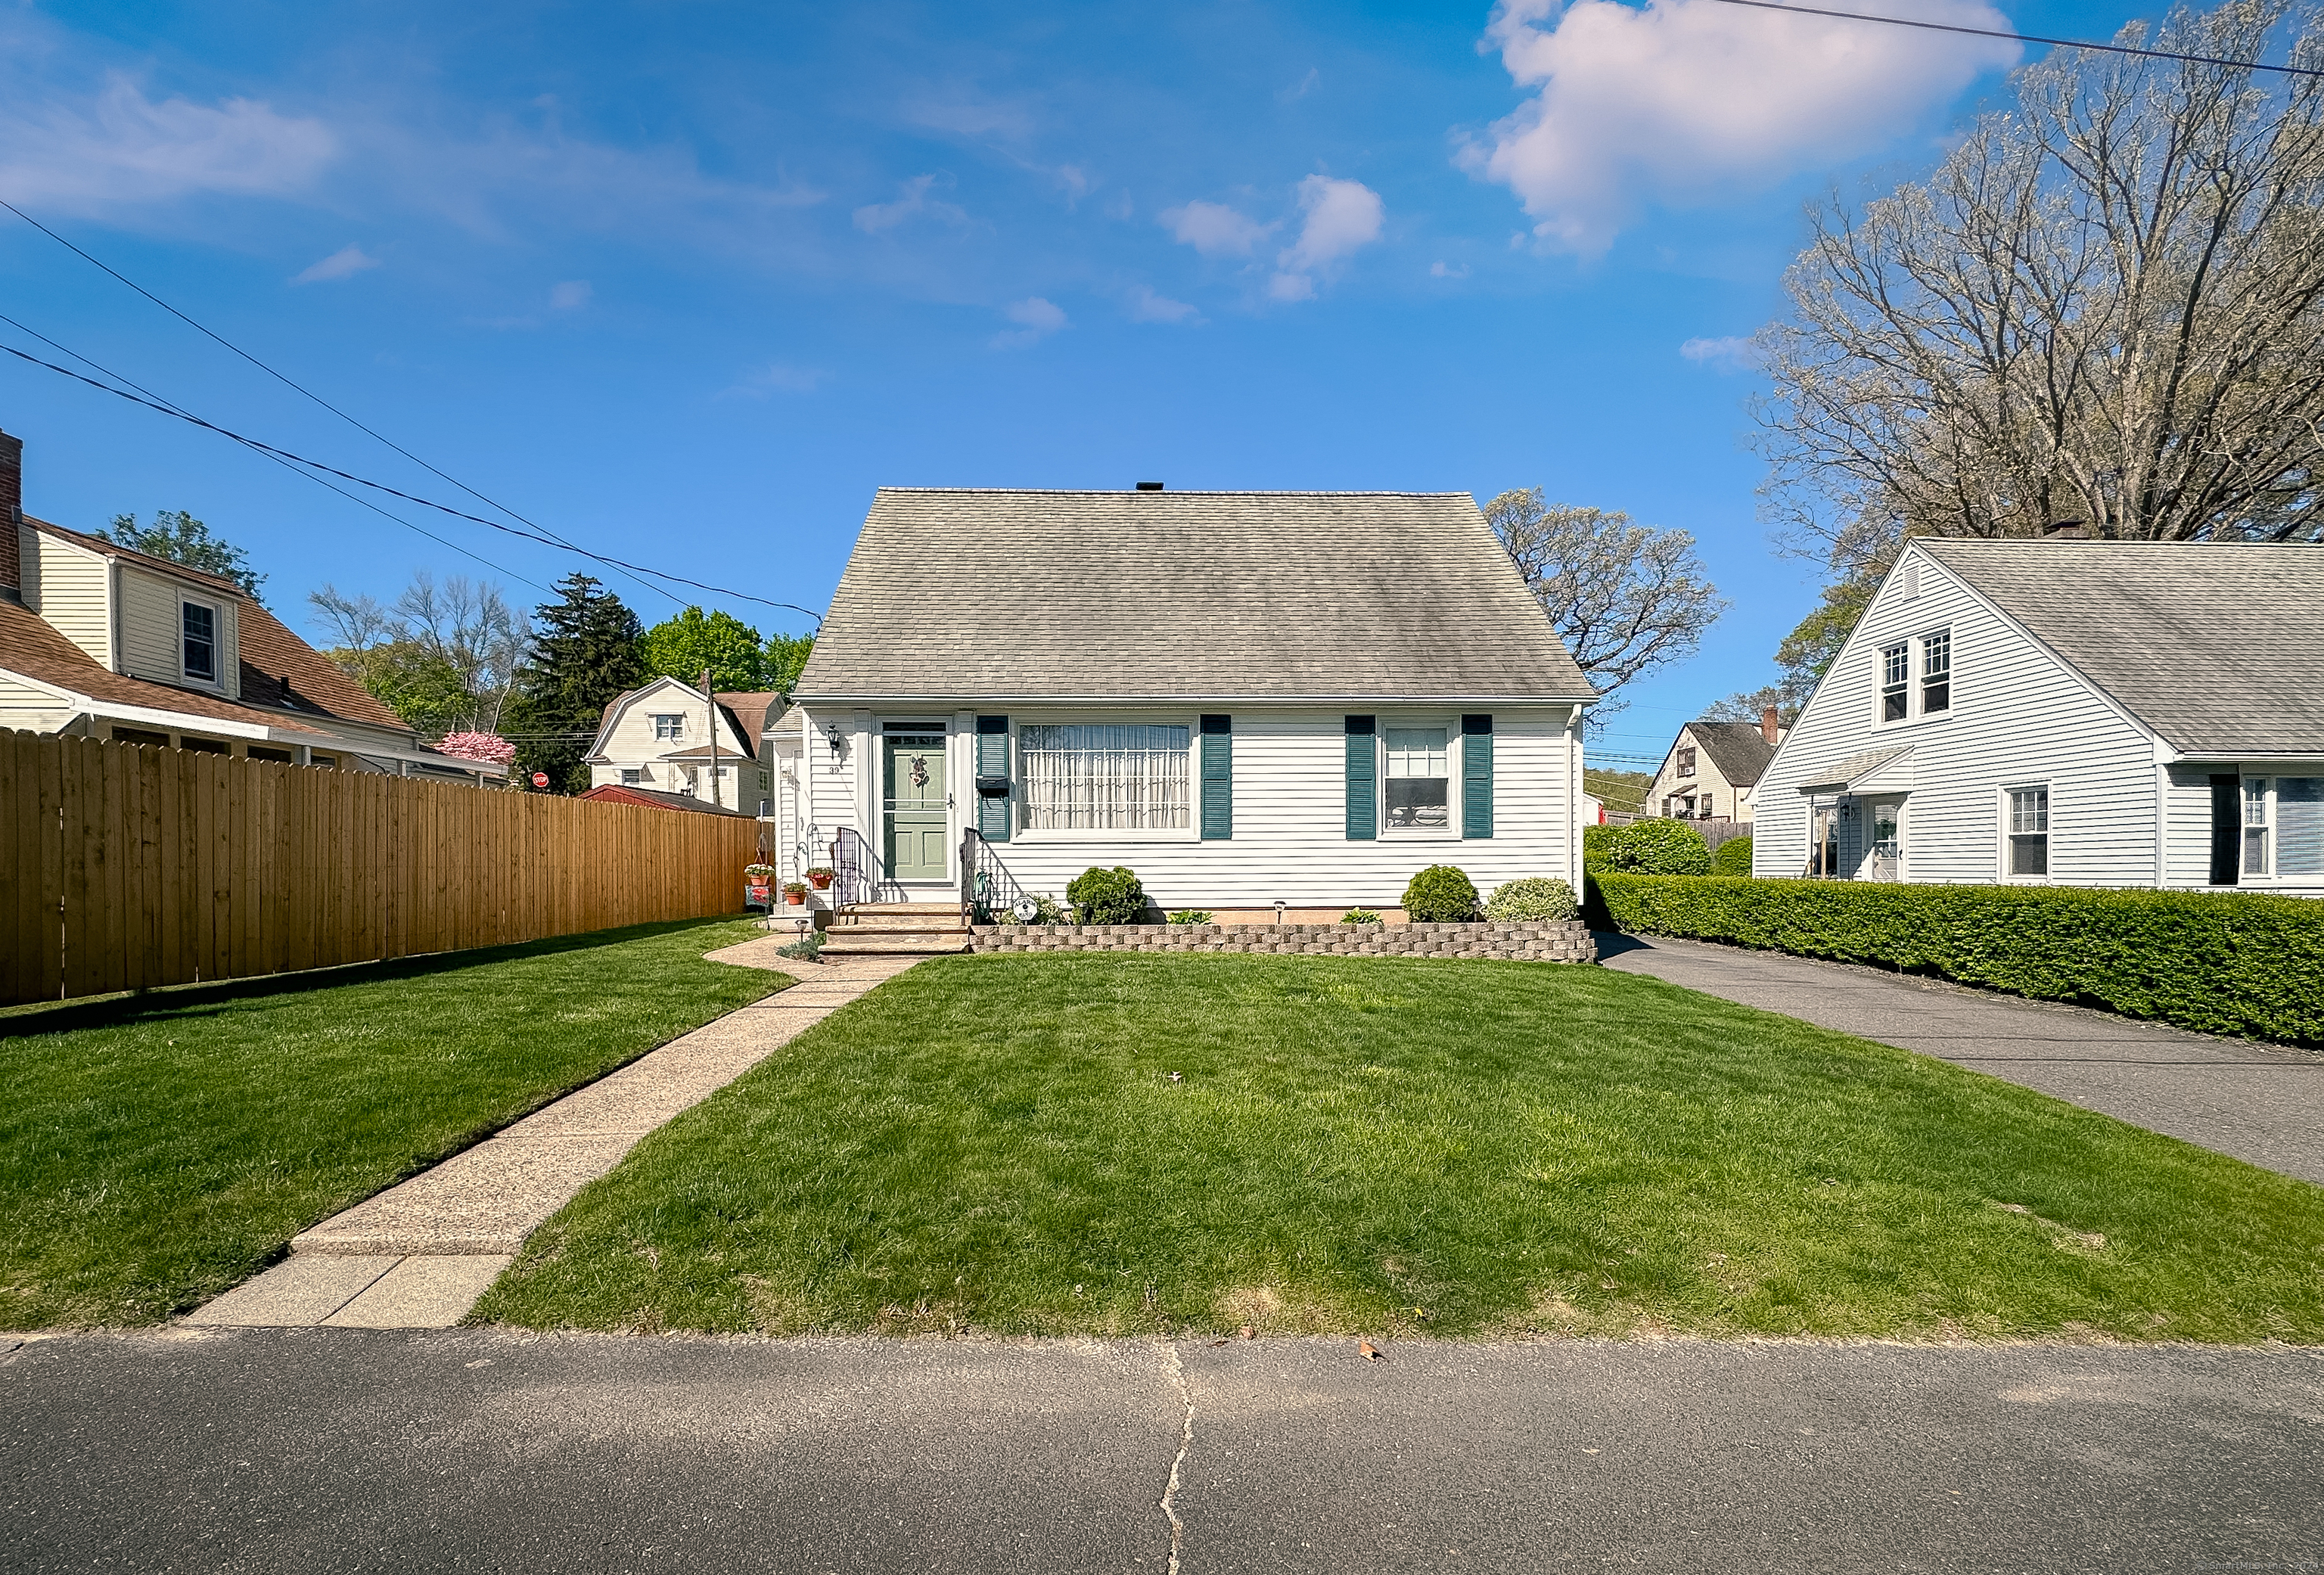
column 345, row 1450
column 2263, row 1103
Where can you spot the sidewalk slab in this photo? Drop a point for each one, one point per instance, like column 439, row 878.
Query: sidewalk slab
column 431, row 1291
column 298, row 1292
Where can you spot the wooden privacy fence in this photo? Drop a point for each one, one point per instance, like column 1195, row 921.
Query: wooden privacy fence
column 127, row 867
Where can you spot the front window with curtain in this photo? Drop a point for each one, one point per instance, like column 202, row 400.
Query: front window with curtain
column 1105, row 775
column 2283, row 827
column 1419, row 787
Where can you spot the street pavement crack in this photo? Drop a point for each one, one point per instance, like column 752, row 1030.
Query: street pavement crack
column 1185, row 1442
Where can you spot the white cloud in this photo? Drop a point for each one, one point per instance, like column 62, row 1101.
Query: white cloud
column 1148, row 307
column 1214, row 229
column 1729, row 353
column 120, row 146
column 344, row 263
column 571, row 296
column 1686, row 100
column 1037, row 319
column 912, row 200
column 1446, row 271
column 1342, row 217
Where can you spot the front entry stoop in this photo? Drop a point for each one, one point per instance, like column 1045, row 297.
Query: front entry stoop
column 921, row 929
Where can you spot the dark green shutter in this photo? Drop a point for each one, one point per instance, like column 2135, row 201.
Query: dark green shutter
column 1218, row 779
column 1363, row 781
column 992, row 816
column 2227, row 830
column 1476, row 776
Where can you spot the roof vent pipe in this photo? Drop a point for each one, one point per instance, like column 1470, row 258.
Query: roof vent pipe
column 1150, row 487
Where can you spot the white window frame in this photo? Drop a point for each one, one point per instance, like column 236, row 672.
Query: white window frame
column 1450, row 832
column 2006, row 819
column 2269, row 804
column 634, row 777
column 1893, row 657
column 1921, row 681
column 216, row 679
column 1021, row 807
column 677, row 719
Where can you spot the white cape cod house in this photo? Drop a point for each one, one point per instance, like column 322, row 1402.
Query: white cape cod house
column 2069, row 712
column 1252, row 699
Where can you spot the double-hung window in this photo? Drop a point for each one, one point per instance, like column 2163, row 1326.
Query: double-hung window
column 2027, row 814
column 1105, row 775
column 1895, row 681
column 2283, row 827
column 1686, row 762
column 669, row 726
column 200, row 648
column 1419, row 780
column 1936, row 671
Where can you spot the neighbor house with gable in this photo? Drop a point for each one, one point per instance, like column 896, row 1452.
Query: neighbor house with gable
column 668, row 739
column 2066, row 712
column 1252, row 699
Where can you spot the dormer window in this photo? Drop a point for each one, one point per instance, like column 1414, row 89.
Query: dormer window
column 670, row 727
column 199, row 658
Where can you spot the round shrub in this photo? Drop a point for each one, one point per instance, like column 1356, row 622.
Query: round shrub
column 1538, row 898
column 1733, row 857
column 1659, row 847
column 1107, row 896
column 1440, row 895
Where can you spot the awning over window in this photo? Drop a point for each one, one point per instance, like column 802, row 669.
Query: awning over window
column 1888, row 771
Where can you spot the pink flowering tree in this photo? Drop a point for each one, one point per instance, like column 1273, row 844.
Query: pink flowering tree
column 477, row 746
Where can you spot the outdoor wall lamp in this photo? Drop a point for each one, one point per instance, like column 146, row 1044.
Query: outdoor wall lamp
column 831, row 735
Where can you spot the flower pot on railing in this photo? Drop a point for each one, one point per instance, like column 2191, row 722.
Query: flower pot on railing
column 821, row 878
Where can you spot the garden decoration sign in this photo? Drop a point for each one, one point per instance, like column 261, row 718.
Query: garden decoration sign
column 758, row 886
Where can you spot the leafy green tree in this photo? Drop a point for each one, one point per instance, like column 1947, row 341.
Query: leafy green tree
column 584, row 652
column 416, row 683
column 178, row 537
column 785, row 657
column 680, row 648
column 443, row 657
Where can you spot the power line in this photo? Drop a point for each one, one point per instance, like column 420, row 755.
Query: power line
column 294, row 470
column 301, row 389
column 269, row 448
column 2069, row 44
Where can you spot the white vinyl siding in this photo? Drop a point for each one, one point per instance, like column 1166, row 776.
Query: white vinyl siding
column 1290, row 840
column 153, row 629
column 2016, row 714
column 67, row 584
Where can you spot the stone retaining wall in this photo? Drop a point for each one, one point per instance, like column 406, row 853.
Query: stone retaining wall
column 1545, row 942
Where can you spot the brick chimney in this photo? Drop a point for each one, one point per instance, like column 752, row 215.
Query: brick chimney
column 12, row 510
column 1768, row 728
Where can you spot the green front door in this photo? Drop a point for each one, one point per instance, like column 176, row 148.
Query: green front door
column 913, row 783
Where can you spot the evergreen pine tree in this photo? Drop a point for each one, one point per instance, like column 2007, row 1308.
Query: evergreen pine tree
column 584, row 652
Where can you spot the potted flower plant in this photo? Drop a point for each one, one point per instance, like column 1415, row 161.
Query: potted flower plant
column 820, row 877
column 794, row 892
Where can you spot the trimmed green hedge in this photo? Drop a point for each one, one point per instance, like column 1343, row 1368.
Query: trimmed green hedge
column 2243, row 964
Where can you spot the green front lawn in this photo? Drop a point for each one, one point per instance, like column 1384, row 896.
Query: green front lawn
column 998, row 1144
column 155, row 1149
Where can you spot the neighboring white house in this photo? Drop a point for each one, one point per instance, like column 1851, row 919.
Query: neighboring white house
column 1249, row 698
column 659, row 737
column 2071, row 713
column 101, row 642
column 1711, row 770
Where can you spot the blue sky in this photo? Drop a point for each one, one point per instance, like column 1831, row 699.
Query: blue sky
column 685, row 282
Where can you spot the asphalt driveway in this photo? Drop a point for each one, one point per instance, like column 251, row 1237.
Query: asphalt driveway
column 324, row 1449
column 2263, row 1103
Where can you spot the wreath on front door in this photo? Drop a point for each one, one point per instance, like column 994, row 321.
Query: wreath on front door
column 919, row 770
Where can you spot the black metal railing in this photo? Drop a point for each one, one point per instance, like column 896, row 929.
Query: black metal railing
column 987, row 889
column 850, row 869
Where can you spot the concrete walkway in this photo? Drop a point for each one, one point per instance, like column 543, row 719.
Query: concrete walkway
column 2259, row 1102
column 418, row 1255
column 328, row 1450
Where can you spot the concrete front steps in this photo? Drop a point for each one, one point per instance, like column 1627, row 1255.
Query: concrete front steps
column 921, row 929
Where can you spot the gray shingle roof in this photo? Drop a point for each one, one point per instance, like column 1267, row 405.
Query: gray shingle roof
column 1840, row 778
column 1739, row 748
column 2217, row 647
column 1125, row 595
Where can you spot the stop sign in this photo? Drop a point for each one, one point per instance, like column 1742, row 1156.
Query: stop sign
column 540, row 778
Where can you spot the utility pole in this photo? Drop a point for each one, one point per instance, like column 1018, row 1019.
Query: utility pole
column 711, row 701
